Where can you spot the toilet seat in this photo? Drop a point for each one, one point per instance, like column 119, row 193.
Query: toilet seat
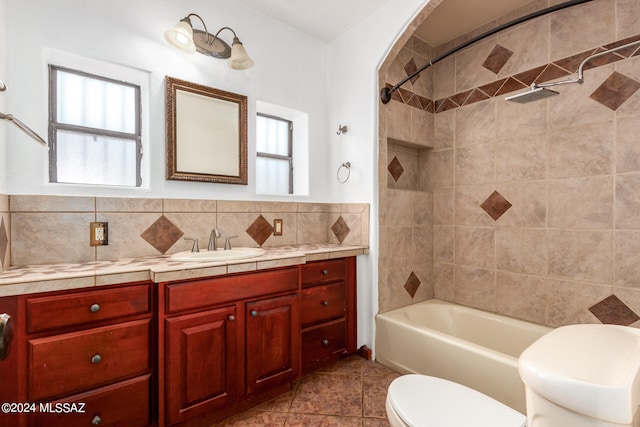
column 424, row 401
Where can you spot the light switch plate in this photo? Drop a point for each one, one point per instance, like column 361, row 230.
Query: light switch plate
column 277, row 227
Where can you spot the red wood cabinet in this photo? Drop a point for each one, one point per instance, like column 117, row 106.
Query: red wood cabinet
column 328, row 316
column 220, row 353
column 81, row 358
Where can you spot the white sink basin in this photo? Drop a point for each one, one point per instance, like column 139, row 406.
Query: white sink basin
column 219, row 255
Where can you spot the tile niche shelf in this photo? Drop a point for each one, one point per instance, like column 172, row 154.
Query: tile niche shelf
column 407, row 166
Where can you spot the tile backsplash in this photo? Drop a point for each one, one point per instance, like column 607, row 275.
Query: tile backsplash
column 55, row 229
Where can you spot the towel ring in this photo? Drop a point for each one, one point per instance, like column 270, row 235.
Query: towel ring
column 346, row 166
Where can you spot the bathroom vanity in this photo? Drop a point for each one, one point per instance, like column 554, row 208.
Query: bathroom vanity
column 189, row 346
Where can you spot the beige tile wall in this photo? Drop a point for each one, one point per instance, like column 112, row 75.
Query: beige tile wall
column 53, row 229
column 568, row 165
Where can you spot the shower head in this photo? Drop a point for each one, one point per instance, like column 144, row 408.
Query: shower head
column 533, row 94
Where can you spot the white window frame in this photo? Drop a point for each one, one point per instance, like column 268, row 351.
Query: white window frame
column 300, row 144
column 114, row 72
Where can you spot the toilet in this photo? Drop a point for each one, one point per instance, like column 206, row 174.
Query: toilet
column 424, row 401
column 574, row 376
column 583, row 376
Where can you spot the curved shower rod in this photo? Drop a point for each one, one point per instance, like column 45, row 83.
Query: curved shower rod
column 385, row 93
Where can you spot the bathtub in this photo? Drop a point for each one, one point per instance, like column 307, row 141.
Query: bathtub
column 462, row 344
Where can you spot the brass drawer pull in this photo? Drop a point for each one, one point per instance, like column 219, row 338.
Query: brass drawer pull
column 254, row 313
column 325, row 272
column 96, row 359
column 325, row 303
column 95, row 308
column 6, row 335
column 325, row 342
column 231, row 318
column 96, row 421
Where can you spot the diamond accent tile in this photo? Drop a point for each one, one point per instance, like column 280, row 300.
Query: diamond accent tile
column 495, row 205
column 411, row 67
column 260, row 230
column 412, row 284
column 613, row 311
column 4, row 242
column 497, row 59
column 162, row 234
column 340, row 229
column 395, row 168
column 615, row 90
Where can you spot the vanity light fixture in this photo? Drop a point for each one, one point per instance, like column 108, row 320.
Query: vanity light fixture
column 188, row 40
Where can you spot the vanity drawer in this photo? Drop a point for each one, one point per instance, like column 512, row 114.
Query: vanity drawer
column 321, row 342
column 58, row 311
column 323, row 302
column 68, row 363
column 122, row 404
column 323, row 271
column 220, row 290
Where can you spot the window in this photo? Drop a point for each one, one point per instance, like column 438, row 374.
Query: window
column 94, row 129
column 274, row 163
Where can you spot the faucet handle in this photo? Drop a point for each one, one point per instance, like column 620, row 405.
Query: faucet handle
column 195, row 247
column 227, row 243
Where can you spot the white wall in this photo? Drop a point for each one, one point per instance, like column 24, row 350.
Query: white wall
column 4, row 123
column 354, row 60
column 290, row 70
column 335, row 84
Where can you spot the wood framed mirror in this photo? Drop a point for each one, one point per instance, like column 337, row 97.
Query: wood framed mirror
column 206, row 133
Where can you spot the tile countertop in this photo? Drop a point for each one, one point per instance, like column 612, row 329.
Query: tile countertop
column 56, row 277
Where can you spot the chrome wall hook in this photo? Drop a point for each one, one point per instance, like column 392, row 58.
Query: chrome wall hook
column 342, row 129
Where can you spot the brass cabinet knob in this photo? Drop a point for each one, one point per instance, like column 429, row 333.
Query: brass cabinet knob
column 231, row 318
column 96, row 421
column 96, row 359
column 94, row 308
column 325, row 303
column 325, row 272
column 254, row 313
column 325, row 342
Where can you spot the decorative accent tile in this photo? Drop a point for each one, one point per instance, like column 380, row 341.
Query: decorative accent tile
column 395, row 168
column 260, row 230
column 544, row 73
column 495, row 205
column 497, row 59
column 615, row 90
column 162, row 234
column 340, row 229
column 613, row 311
column 410, row 68
column 412, row 284
column 551, row 72
column 4, row 242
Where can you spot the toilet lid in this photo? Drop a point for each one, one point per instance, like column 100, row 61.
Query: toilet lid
column 421, row 401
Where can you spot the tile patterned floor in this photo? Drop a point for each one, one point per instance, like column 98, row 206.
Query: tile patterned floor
column 350, row 393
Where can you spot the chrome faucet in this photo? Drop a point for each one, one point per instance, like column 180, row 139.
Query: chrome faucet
column 213, row 245
column 227, row 243
column 195, row 247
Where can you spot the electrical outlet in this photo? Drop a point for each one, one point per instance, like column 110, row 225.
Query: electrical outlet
column 98, row 235
column 277, row 227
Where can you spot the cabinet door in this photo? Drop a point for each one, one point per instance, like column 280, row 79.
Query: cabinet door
column 272, row 339
column 202, row 352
